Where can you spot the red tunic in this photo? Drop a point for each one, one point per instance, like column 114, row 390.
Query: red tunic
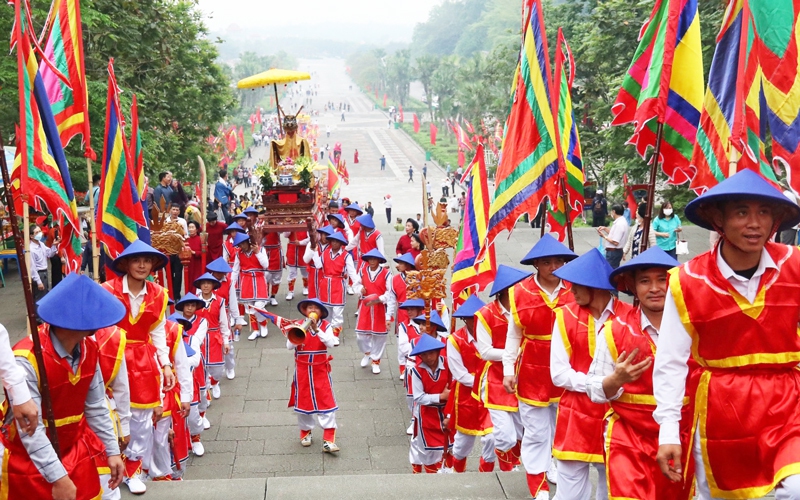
column 215, row 238
column 632, row 434
column 272, row 245
column 229, row 251
column 746, row 403
column 580, row 422
column 413, row 334
column 294, row 250
column 467, row 414
column 312, row 387
column 196, row 263
column 199, row 374
column 144, row 374
column 172, row 399
column 252, row 278
column 429, row 421
column 68, row 392
column 399, row 289
column 368, row 241
column 314, row 274
column 372, row 319
column 490, row 387
column 213, row 352
column 331, row 284
column 111, row 351
column 534, row 314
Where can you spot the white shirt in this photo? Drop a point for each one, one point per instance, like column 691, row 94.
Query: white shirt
column 387, row 203
column 561, row 370
column 39, row 254
column 604, row 364
column 484, row 338
column 617, row 232
column 224, row 324
column 670, row 369
column 182, row 222
column 354, row 242
column 13, row 376
column 325, row 335
column 456, row 363
column 514, row 334
column 183, row 370
column 158, row 335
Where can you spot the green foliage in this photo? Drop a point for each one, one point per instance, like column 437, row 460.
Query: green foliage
column 445, row 151
column 445, row 27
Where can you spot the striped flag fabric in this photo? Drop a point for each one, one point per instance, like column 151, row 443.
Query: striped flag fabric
column 570, row 158
column 462, row 138
column 467, row 270
column 64, row 49
column 334, row 183
column 40, row 167
column 529, row 159
column 120, row 214
column 664, row 84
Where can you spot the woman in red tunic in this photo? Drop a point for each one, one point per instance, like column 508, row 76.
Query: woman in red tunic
column 404, row 243
column 196, row 246
column 355, row 156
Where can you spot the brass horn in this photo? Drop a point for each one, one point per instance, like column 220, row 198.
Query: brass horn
column 297, row 334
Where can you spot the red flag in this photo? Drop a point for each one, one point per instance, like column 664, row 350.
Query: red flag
column 461, row 159
column 470, row 129
column 630, row 199
column 258, row 116
column 384, row 98
column 401, row 114
column 416, row 124
column 241, row 136
column 252, row 123
column 433, row 134
column 231, row 139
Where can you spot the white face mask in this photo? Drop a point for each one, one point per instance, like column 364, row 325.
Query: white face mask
column 667, row 212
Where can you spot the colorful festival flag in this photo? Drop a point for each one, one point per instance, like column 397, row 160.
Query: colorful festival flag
column 241, row 136
column 40, row 166
column 529, row 162
column 333, row 178
column 64, row 48
column 231, row 139
column 434, row 130
column 120, row 214
column 462, row 138
column 664, row 84
column 470, row 128
column 467, row 271
column 416, row 124
column 344, row 175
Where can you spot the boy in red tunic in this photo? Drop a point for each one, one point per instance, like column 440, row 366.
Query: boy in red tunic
column 222, row 272
column 31, row 468
column 250, row 278
column 217, row 343
column 621, row 375
column 272, row 245
column 366, row 239
column 397, row 288
column 312, row 386
column 578, row 440
column 526, row 372
column 196, row 332
column 229, row 250
column 335, row 265
column 491, row 328
column 407, row 334
column 372, row 326
column 322, row 234
column 735, row 311
column 146, row 352
column 467, row 415
column 430, row 381
column 294, row 260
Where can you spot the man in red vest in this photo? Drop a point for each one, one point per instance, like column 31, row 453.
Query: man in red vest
column 31, row 468
column 146, row 352
column 578, row 441
column 526, row 371
column 735, row 311
column 335, row 266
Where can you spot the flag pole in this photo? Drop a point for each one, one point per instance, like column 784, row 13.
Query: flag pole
column 543, row 220
column 22, row 256
column 651, row 187
column 567, row 210
column 93, row 224
column 203, row 210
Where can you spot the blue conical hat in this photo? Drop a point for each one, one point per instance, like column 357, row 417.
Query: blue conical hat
column 140, row 249
column 177, row 317
column 374, row 253
column 652, row 257
column 426, row 343
column 326, row 230
column 78, row 303
column 240, row 238
column 590, row 269
column 744, row 185
column 234, row 226
column 190, row 298
column 354, row 206
column 219, row 265
column 548, row 246
column 469, row 307
column 207, row 277
column 338, row 236
column 366, row 221
column 506, row 277
column 436, row 320
column 303, row 303
column 412, row 303
column 407, row 258
column 239, row 216
column 250, row 210
column 338, row 217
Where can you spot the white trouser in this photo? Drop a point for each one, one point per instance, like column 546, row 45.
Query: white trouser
column 307, row 422
column 194, row 419
column 372, row 344
column 463, row 444
column 337, row 315
column 109, row 494
column 140, row 446
column 161, row 463
column 574, row 483
column 293, row 272
column 214, row 371
column 202, row 406
column 537, row 440
column 507, row 429
column 262, row 323
column 274, row 278
column 230, row 358
column 417, row 454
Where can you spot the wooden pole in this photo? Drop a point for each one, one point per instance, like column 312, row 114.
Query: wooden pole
column 26, row 238
column 22, row 256
column 567, row 210
column 203, row 210
column 277, row 107
column 543, row 220
column 93, row 225
column 651, row 188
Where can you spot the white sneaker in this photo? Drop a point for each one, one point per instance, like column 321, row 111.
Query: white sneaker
column 273, row 301
column 206, row 423
column 253, row 335
column 365, row 361
column 552, row 472
column 542, row 495
column 410, row 430
column 216, row 392
column 350, row 290
column 336, row 341
column 135, row 485
column 198, row 449
column 290, row 296
column 515, row 468
column 305, row 290
column 356, row 314
column 329, row 447
column 306, row 441
column 376, row 368
column 231, row 374
column 445, row 470
column 264, row 331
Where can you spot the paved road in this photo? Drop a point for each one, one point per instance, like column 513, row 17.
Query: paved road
column 253, row 433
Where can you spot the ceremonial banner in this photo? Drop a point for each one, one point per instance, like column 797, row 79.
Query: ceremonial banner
column 333, row 178
column 231, row 139
column 416, row 124
column 241, row 136
column 462, row 138
column 400, row 107
column 434, row 130
column 40, row 167
column 529, row 161
column 467, row 271
column 664, row 84
column 120, row 214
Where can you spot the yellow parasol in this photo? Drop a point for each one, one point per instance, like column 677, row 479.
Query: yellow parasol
column 273, row 76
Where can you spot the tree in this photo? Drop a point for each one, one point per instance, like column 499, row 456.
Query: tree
column 446, row 23
column 398, row 75
column 444, row 85
column 424, row 68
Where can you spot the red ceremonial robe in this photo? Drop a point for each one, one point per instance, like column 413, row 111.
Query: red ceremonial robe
column 213, row 353
column 429, row 419
column 399, row 289
column 331, row 284
column 272, row 245
column 252, row 278
column 467, row 414
column 372, row 319
column 294, row 250
column 490, row 387
column 312, row 387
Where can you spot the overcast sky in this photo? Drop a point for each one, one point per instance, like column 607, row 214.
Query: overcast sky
column 220, row 14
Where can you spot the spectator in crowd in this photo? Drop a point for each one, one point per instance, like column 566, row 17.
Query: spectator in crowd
column 40, row 253
column 599, row 209
column 615, row 237
column 222, row 195
column 95, row 190
column 634, row 243
column 175, row 260
column 404, row 243
column 179, row 196
column 196, row 246
column 371, row 211
column 666, row 228
column 163, row 194
column 214, row 229
column 383, row 162
column 387, row 203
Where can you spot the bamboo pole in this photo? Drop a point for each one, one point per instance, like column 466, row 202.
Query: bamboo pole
column 651, row 188
column 23, row 256
column 567, row 210
column 93, row 224
column 203, row 210
column 26, row 238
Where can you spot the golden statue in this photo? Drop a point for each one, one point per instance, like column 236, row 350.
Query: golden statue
column 292, row 145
